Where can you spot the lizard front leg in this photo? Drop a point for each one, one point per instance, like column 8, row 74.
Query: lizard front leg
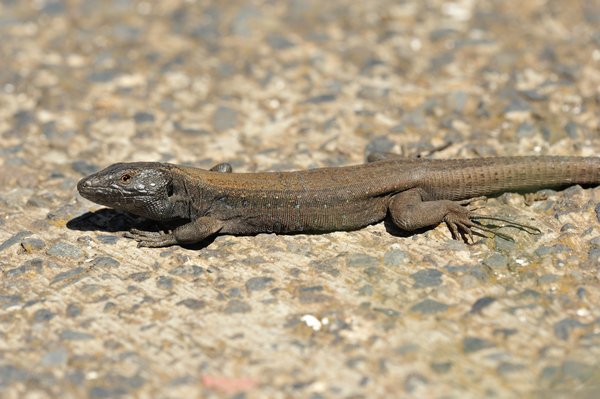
column 188, row 233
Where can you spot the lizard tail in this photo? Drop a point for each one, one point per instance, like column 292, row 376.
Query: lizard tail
column 472, row 177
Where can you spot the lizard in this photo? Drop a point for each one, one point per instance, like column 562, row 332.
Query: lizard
column 413, row 193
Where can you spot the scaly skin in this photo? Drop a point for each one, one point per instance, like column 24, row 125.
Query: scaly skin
column 415, row 192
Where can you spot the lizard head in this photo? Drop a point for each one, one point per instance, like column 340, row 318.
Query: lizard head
column 142, row 188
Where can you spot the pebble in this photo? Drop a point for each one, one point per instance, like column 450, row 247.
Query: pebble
column 105, row 261
column 496, row 262
column 361, row 260
column 192, row 303
column 429, row 306
column 427, row 278
column 237, row 306
column 475, row 344
column 65, row 250
column 14, row 239
column 258, row 283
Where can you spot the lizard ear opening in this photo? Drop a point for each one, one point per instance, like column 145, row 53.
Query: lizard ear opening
column 170, row 189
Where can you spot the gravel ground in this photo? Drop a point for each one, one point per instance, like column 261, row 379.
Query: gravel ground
column 283, row 85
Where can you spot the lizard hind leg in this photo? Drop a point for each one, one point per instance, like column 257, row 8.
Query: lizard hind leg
column 409, row 212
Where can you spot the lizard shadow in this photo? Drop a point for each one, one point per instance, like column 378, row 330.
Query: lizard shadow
column 112, row 221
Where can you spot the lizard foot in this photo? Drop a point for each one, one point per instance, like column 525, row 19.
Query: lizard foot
column 151, row 239
column 461, row 222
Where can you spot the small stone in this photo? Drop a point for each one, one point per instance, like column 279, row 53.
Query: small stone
column 70, row 335
column 429, row 306
column 380, row 144
column 105, row 261
column 187, row 270
column 323, row 98
column 32, row 244
column 414, row 381
column 279, row 42
column 474, row 344
column 14, row 239
column 192, row 303
column 441, row 367
column 139, row 276
column 56, row 357
column 107, row 239
column 70, row 276
column 164, row 283
column 32, row 265
column 394, row 257
column 361, row 260
column 73, row 310
column 224, row 118
column 10, row 374
column 388, row 312
column 143, row 117
column 65, row 250
column 237, row 306
column 597, row 210
column 506, row 368
column 594, row 255
column 427, row 278
column 564, row 328
column 496, row 262
column 258, row 283
column 42, row 315
column 481, row 304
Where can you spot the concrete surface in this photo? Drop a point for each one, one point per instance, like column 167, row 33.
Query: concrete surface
column 281, row 85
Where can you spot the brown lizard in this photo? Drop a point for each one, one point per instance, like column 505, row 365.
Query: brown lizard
column 414, row 193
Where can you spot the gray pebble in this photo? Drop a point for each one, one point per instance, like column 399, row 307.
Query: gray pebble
column 388, row 312
column 594, row 255
column 496, row 262
column 56, row 357
column 429, row 306
column 564, row 327
column 107, row 239
column 192, row 303
column 143, row 117
column 69, row 276
column 597, row 210
column 42, row 315
column 481, row 304
column 8, row 301
column 427, row 278
column 380, row 144
column 187, row 270
column 258, row 283
column 506, row 368
column 10, row 374
column 279, row 42
column 394, row 257
column 71, row 335
column 14, row 239
column 105, row 261
column 73, row 310
column 474, row 344
column 361, row 260
column 224, row 118
column 164, row 283
column 441, row 367
column 32, row 265
column 65, row 250
column 102, row 76
column 32, row 244
column 139, row 276
column 323, row 98
column 237, row 306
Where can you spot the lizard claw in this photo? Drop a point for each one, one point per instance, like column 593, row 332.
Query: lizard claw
column 151, row 239
column 461, row 222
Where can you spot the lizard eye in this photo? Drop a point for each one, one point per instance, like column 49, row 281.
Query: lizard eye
column 125, row 178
